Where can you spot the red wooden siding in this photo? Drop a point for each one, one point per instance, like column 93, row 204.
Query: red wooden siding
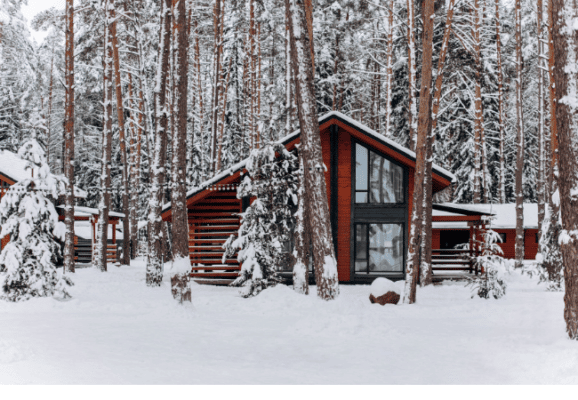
column 530, row 244
column 435, row 239
column 508, row 246
column 344, row 205
column 211, row 221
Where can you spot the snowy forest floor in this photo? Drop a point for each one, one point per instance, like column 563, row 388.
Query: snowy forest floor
column 116, row 330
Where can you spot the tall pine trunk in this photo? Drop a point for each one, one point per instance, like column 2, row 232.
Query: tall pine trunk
column 501, row 117
column 154, row 274
column 565, row 41
column 121, row 133
column 424, row 125
column 519, row 190
column 389, row 71
column 478, row 114
column 411, row 66
column 101, row 248
column 324, row 259
column 542, row 181
column 180, row 233
column 69, row 139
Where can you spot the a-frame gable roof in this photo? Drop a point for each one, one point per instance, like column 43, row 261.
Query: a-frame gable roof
column 357, row 129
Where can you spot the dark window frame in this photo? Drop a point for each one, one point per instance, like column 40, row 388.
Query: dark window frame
column 367, row 272
column 377, row 213
column 367, row 191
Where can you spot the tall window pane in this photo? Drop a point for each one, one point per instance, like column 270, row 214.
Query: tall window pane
column 386, row 181
column 385, row 248
column 361, row 248
column 361, row 167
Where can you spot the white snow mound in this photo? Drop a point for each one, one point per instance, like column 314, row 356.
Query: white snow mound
column 178, row 266
column 381, row 286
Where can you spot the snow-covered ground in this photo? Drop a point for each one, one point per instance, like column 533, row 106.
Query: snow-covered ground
column 117, row 330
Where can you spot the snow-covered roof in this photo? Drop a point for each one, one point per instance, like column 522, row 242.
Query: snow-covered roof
column 287, row 139
column 83, row 229
column 14, row 168
column 504, row 215
column 88, row 211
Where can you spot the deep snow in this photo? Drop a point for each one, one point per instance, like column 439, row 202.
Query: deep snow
column 117, row 330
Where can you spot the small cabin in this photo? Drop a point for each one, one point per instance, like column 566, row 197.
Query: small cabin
column 370, row 189
column 448, row 234
column 13, row 169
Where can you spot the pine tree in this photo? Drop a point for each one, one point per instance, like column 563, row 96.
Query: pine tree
column 491, row 282
column 565, row 76
column 266, row 223
column 316, row 206
column 28, row 216
column 423, row 148
column 69, row 140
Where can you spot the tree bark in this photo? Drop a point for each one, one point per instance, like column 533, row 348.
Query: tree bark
column 519, row 191
column 155, row 259
column 180, row 232
column 424, row 124
column 69, row 140
column 478, row 115
column 324, row 259
column 302, row 240
column 389, row 71
column 565, row 41
column 121, row 133
column 542, row 181
column 501, row 117
column 426, row 276
column 411, row 65
column 100, row 258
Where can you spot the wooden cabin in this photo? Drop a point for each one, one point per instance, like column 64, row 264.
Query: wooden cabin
column 447, row 234
column 370, row 189
column 13, row 169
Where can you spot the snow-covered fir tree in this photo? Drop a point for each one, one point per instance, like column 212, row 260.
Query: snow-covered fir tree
column 28, row 216
column 266, row 224
column 490, row 284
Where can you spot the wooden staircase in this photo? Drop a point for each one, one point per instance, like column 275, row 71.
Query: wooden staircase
column 211, row 223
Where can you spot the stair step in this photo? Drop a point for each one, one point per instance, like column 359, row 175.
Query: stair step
column 214, row 274
column 216, row 268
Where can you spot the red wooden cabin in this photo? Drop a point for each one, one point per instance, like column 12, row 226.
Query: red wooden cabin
column 370, row 189
column 447, row 234
column 13, row 169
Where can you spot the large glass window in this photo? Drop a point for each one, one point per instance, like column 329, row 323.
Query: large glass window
column 378, row 248
column 377, row 180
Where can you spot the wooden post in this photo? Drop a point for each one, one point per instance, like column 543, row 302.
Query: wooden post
column 471, row 246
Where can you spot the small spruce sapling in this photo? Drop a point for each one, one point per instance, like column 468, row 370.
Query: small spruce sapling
column 490, row 283
column 266, row 223
column 548, row 265
column 28, row 216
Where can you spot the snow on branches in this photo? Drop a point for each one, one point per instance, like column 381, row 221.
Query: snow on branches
column 267, row 222
column 28, row 217
column 490, row 283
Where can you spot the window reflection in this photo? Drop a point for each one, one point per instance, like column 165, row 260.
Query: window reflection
column 385, row 178
column 379, row 248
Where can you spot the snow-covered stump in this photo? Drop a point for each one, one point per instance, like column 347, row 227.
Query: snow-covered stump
column 383, row 291
column 180, row 288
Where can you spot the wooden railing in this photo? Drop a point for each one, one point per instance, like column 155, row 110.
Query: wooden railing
column 453, row 260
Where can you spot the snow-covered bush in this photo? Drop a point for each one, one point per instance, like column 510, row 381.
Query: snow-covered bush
column 548, row 266
column 490, row 283
column 266, row 223
column 28, row 216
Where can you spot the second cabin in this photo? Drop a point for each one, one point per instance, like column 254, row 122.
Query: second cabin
column 370, row 189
